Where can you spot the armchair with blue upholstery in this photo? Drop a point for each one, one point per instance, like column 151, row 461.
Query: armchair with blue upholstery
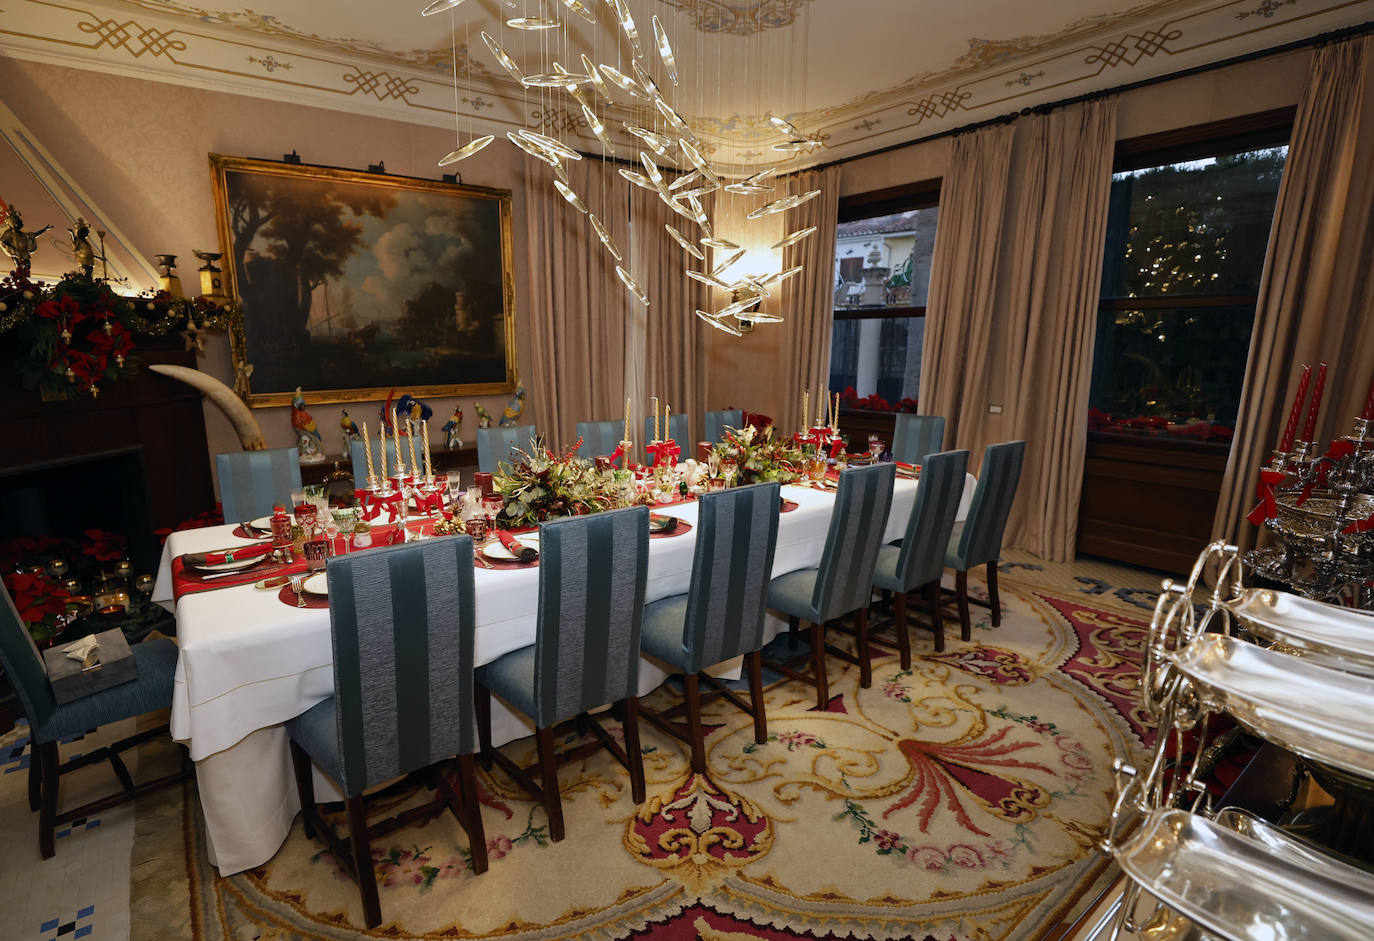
column 717, row 422
column 599, row 438
column 357, row 453
column 915, row 436
column 978, row 539
column 494, row 444
column 251, row 482
column 676, row 430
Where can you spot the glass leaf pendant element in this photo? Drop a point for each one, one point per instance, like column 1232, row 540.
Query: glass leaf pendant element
column 697, row 159
column 633, row 285
column 684, row 181
column 598, row 129
column 605, row 236
column 730, row 259
column 714, row 321
column 532, row 22
column 646, row 80
column 708, row 280
column 781, row 276
column 573, row 199
column 598, row 82
column 581, row 9
column 748, row 189
column 467, row 150
column 627, row 24
column 538, row 153
column 751, row 286
column 554, row 80
column 762, row 175
column 665, row 49
column 795, row 237
column 439, row 6
column 651, row 169
column 674, row 118
column 658, row 143
column 777, row 205
column 638, row 179
column 784, row 127
column 722, row 244
column 737, row 308
column 549, row 144
column 506, row 61
column 624, row 82
column 801, row 145
column 758, row 316
column 687, row 246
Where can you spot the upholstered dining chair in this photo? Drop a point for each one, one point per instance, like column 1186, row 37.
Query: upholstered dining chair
column 717, row 422
column 978, row 539
column 721, row 616
column 401, row 620
column 677, row 430
column 357, row 453
column 915, row 436
column 919, row 560
column 494, row 444
column 599, row 438
column 592, row 571
column 250, row 482
column 843, row 582
column 49, row 722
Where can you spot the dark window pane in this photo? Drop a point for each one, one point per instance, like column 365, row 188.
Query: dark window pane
column 884, row 261
column 879, row 356
column 1197, row 227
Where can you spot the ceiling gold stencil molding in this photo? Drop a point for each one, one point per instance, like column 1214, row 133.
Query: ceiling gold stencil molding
column 741, row 17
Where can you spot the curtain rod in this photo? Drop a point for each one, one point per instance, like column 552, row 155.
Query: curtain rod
column 1321, row 39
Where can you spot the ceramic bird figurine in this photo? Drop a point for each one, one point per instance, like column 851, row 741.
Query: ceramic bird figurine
column 483, row 416
column 514, row 407
column 349, row 426
column 453, row 429
column 413, row 409
column 308, row 438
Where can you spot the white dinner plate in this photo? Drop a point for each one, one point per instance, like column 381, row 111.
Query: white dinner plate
column 262, row 524
column 496, row 551
column 317, row 584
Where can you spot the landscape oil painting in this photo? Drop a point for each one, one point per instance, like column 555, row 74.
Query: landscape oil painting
column 356, row 283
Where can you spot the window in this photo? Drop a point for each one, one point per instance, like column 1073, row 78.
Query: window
column 883, row 250
column 1186, row 239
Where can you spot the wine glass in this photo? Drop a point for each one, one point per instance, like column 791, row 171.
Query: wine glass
column 876, row 446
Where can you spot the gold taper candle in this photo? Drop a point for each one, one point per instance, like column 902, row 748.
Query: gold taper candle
column 381, row 440
column 821, row 401
column 806, row 408
column 410, row 433
column 654, row 399
column 835, row 412
column 429, row 466
column 667, row 413
column 367, row 446
column 626, row 436
column 396, row 436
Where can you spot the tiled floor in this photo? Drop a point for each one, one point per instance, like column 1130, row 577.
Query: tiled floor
column 83, row 891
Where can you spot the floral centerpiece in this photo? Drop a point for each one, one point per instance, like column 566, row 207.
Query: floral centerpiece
column 541, row 485
column 67, row 338
column 758, row 455
column 40, row 600
column 849, row 398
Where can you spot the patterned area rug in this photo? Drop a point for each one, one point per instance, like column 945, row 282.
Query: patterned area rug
column 959, row 799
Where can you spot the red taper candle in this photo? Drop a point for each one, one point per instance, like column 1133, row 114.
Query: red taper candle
column 1310, row 428
column 1369, row 402
column 1290, row 430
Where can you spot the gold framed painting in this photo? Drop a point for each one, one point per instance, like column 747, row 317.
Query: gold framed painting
column 353, row 283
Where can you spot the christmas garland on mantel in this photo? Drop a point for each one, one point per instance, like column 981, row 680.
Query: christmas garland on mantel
column 69, row 337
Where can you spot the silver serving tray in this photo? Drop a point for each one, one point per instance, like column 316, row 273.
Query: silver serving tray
column 1244, row 887
column 1337, row 636
column 1319, row 713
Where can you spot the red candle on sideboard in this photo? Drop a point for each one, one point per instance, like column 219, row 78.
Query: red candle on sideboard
column 1290, row 430
column 1311, row 427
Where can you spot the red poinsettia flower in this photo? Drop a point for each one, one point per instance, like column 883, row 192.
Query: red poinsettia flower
column 103, row 546
column 36, row 597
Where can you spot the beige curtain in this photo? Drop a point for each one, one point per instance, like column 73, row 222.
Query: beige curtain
column 578, row 307
column 1316, row 298
column 675, row 348
column 963, row 284
column 808, row 298
column 1053, row 251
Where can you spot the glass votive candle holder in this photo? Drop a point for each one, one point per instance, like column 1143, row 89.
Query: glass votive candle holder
column 316, row 555
column 306, row 514
column 58, row 567
column 477, row 528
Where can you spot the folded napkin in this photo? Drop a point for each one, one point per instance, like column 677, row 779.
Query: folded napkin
column 665, row 524
column 517, row 548
column 238, row 554
column 83, row 649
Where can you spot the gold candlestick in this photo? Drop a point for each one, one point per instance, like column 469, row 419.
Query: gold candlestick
column 367, row 446
column 667, row 413
column 626, row 435
column 835, row 415
column 396, row 436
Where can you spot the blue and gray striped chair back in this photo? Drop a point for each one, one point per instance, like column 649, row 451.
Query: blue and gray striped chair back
column 922, row 556
column 717, row 422
column 916, row 436
column 24, row 666
column 357, row 453
column 494, row 444
column 981, row 538
column 251, row 482
column 592, row 571
column 402, row 621
column 677, row 430
column 844, row 579
column 599, row 438
column 736, row 536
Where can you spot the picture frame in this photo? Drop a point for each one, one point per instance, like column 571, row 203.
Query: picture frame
column 355, row 283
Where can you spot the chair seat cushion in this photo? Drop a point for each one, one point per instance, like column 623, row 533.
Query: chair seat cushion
column 157, row 666
column 885, row 571
column 792, row 594
column 952, row 559
column 317, row 732
column 662, row 633
column 512, row 678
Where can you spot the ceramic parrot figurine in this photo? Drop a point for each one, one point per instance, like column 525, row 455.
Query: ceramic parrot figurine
column 514, row 407
column 483, row 416
column 349, row 426
column 413, row 409
column 453, row 429
column 308, row 438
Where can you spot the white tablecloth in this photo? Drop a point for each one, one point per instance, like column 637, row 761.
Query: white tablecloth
column 249, row 662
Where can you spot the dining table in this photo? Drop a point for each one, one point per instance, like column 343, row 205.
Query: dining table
column 251, row 659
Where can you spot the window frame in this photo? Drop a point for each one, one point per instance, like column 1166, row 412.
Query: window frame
column 924, row 194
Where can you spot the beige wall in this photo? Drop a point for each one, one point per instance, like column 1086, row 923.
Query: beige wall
column 140, row 149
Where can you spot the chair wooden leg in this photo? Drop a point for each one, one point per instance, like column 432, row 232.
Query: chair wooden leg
column 818, row 666
column 362, row 859
column 548, row 768
column 899, row 627
column 961, row 589
column 992, row 594
column 753, row 664
column 632, row 749
column 861, row 647
column 482, row 705
column 47, row 810
column 305, row 786
column 937, row 620
column 692, row 691
column 471, row 818
column 793, row 626
column 35, row 778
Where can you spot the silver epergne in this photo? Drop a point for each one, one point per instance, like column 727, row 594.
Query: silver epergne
column 1291, row 670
